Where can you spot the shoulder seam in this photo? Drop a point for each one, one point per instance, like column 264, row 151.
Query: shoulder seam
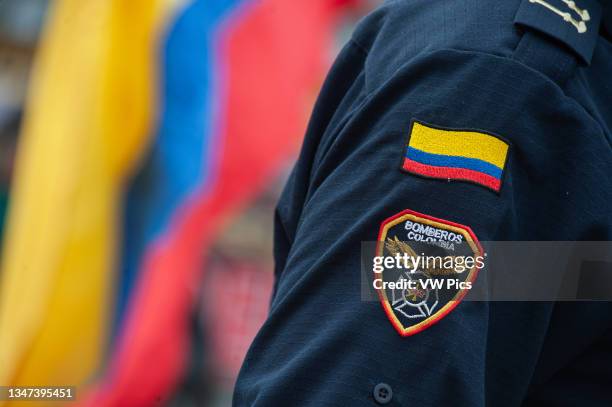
column 359, row 46
column 370, row 92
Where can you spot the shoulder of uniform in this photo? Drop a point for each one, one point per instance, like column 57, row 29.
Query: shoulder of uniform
column 400, row 30
column 414, row 26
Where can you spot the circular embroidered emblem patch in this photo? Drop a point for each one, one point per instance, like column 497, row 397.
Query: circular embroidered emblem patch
column 424, row 266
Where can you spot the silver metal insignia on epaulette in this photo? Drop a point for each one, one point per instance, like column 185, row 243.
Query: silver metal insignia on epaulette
column 567, row 16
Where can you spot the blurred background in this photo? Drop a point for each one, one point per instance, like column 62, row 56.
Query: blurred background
column 143, row 146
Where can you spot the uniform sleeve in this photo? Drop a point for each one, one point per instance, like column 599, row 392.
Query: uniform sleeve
column 386, row 157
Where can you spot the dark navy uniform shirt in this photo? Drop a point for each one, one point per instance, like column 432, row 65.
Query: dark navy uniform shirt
column 523, row 76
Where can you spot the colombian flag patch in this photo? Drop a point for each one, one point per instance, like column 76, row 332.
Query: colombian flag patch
column 462, row 155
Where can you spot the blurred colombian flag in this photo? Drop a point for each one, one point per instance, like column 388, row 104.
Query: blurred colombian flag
column 148, row 124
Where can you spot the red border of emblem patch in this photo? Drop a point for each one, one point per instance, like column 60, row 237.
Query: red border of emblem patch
column 470, row 238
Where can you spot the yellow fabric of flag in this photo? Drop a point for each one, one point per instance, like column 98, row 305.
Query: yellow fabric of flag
column 90, row 111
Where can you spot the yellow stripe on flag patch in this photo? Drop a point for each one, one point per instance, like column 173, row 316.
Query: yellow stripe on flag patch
column 470, row 144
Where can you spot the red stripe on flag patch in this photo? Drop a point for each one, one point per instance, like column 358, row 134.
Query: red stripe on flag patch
column 452, row 173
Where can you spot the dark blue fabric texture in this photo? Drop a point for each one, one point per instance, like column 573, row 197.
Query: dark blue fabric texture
column 449, row 63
